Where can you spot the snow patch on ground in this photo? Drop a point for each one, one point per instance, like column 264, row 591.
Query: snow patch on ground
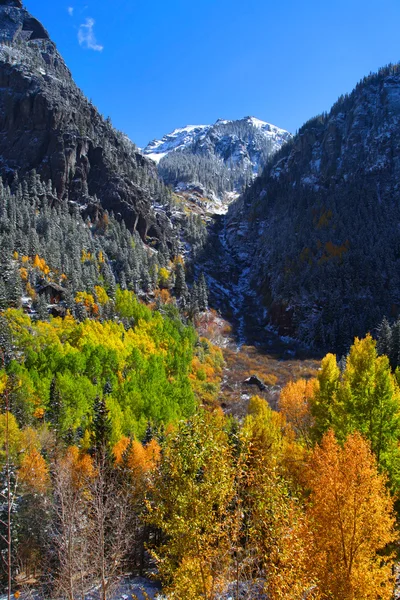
column 156, row 157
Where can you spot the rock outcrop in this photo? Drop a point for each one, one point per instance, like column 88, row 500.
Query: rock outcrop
column 254, row 380
column 48, row 125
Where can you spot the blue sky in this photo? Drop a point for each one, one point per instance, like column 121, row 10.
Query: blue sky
column 156, row 65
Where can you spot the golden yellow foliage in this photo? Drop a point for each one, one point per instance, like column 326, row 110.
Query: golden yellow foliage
column 88, row 302
column 101, row 295
column 153, row 454
column 86, row 256
column 30, row 291
column 191, row 495
column 85, row 298
column 24, row 273
column 40, row 263
column 14, row 436
column 3, row 382
column 192, row 579
column 277, row 534
column 294, row 404
column 34, row 472
column 179, row 259
column 163, row 277
column 164, row 296
column 351, row 517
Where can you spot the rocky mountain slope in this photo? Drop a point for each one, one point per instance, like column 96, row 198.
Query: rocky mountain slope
column 219, row 158
column 48, row 125
column 319, row 229
column 312, row 247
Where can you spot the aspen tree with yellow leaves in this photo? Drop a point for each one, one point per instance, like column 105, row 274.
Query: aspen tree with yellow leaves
column 189, row 502
column 294, row 404
column 351, row 517
column 274, row 533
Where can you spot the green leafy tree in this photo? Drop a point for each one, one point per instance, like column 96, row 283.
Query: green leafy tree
column 365, row 398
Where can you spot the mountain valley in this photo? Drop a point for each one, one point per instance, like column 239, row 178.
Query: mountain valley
column 199, row 346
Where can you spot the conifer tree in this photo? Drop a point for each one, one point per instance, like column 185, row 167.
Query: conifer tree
column 180, row 281
column 395, row 345
column 101, row 428
column 3, row 295
column 41, row 307
column 14, row 288
column 202, row 293
column 384, row 343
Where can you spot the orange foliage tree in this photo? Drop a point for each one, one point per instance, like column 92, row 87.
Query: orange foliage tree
column 34, row 472
column 294, row 403
column 351, row 517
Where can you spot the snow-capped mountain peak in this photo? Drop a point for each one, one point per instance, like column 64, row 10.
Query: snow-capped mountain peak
column 220, row 158
column 176, row 140
column 184, row 137
column 265, row 126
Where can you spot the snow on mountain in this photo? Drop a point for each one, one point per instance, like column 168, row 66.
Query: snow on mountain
column 177, row 140
column 221, row 158
column 269, row 129
column 185, row 137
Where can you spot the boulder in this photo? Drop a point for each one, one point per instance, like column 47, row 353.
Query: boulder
column 254, row 380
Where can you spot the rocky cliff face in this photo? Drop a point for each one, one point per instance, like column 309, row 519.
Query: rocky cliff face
column 47, row 124
column 320, row 227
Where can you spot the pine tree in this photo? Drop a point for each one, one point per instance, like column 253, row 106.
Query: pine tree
column 384, row 343
column 180, row 281
column 107, row 388
column 3, row 295
column 202, row 293
column 150, row 433
column 395, row 345
column 14, row 288
column 41, row 307
column 101, row 429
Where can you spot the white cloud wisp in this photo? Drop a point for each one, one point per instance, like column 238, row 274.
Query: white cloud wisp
column 86, row 37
